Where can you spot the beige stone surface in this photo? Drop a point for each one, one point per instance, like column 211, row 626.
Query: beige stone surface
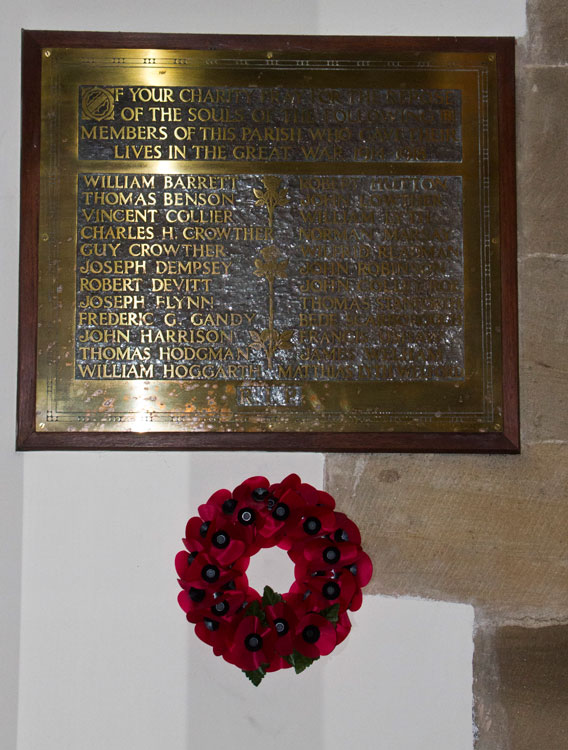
column 521, row 688
column 533, row 686
column 547, row 38
column 543, row 320
column 487, row 530
column 542, row 156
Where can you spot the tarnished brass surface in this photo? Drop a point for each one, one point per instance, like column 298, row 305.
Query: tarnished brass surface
column 256, row 242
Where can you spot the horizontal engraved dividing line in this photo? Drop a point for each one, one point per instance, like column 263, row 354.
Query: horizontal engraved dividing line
column 373, row 169
column 292, row 421
column 434, row 416
column 279, row 63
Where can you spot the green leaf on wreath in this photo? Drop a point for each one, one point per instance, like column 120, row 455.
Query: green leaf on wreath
column 331, row 613
column 255, row 609
column 256, row 675
column 270, row 597
column 299, row 661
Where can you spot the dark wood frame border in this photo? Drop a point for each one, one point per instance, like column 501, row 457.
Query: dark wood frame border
column 28, row 439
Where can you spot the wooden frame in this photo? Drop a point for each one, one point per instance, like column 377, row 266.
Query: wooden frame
column 505, row 440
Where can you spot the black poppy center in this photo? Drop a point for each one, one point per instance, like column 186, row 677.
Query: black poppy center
column 331, row 590
column 253, row 642
column 341, row 536
column 191, row 557
column 210, row 573
column 211, row 624
column 220, row 540
column 246, row 516
column 196, row 595
column 281, row 512
column 311, row 634
column 353, row 569
column 281, row 626
column 229, row 505
column 331, row 554
column 259, row 494
column 220, row 608
column 203, row 528
column 312, row 525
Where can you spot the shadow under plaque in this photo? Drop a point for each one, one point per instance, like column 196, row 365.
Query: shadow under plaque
column 276, row 243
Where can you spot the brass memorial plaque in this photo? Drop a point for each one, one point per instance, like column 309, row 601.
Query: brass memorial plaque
column 239, row 241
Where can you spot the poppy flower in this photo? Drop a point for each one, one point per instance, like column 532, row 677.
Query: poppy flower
column 346, row 530
column 183, row 562
column 325, row 554
column 250, row 520
column 252, row 644
column 312, row 496
column 315, row 636
column 283, row 620
column 284, row 515
column 201, row 603
column 325, row 591
column 217, row 634
column 248, row 509
column 239, row 566
column 315, row 522
column 226, row 505
column 222, row 540
column 215, row 505
column 291, row 482
column 361, row 568
column 241, row 521
column 201, row 571
column 195, row 531
column 252, row 490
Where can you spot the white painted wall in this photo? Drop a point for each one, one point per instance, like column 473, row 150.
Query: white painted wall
column 109, row 662
column 100, row 655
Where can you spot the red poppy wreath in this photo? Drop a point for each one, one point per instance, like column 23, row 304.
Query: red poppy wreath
column 261, row 634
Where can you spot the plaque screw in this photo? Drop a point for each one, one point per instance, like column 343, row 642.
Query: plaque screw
column 45, row 237
column 491, row 58
column 47, row 53
column 269, row 55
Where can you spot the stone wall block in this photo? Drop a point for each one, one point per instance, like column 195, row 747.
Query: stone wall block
column 544, row 349
column 533, row 685
column 542, row 149
column 546, row 42
column 486, row 530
